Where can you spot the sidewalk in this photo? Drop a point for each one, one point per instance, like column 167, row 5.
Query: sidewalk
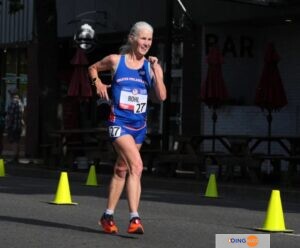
column 8, row 148
column 229, row 190
column 240, row 190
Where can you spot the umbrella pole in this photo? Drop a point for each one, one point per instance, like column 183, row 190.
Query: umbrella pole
column 269, row 118
column 214, row 118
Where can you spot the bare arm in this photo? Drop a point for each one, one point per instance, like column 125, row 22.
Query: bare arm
column 108, row 63
column 159, row 85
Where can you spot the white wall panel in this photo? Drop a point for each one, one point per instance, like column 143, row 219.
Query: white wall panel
column 249, row 119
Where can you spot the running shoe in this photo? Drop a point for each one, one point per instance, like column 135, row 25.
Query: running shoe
column 108, row 224
column 135, row 226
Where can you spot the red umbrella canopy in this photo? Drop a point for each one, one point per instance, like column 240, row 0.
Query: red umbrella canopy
column 270, row 93
column 79, row 84
column 213, row 89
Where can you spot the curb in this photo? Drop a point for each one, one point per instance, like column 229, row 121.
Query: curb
column 226, row 190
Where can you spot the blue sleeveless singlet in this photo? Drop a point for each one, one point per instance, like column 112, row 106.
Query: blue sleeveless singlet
column 130, row 93
column 129, row 101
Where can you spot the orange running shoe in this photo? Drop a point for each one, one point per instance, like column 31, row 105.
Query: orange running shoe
column 135, row 226
column 108, row 224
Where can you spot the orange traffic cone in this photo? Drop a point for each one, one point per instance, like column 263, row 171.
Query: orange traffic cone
column 211, row 189
column 274, row 221
column 63, row 195
column 92, row 178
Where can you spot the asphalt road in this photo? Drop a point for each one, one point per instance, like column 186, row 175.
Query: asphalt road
column 171, row 218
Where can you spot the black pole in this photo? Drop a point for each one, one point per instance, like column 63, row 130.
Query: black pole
column 214, row 119
column 168, row 77
column 269, row 118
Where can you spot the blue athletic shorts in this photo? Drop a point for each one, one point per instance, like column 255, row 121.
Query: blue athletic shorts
column 118, row 128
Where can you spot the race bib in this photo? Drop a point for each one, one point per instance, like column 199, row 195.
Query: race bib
column 114, row 131
column 133, row 100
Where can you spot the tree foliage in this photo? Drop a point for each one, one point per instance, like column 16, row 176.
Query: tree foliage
column 14, row 6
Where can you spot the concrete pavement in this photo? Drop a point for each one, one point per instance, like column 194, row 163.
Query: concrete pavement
column 239, row 189
column 172, row 209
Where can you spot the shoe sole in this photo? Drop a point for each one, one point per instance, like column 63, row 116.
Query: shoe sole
column 137, row 231
column 106, row 231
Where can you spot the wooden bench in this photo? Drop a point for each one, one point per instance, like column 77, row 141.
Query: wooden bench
column 182, row 156
column 240, row 165
column 96, row 153
column 285, row 176
column 67, row 145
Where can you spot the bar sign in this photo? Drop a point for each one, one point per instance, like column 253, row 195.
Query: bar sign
column 242, row 240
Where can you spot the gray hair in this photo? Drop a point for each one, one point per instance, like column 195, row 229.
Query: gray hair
column 134, row 31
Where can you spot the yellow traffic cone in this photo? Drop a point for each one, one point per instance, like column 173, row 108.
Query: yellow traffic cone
column 92, row 178
column 211, row 189
column 2, row 168
column 274, row 221
column 63, row 195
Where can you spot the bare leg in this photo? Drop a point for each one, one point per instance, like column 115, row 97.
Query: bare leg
column 117, row 183
column 133, row 187
column 129, row 150
column 115, row 190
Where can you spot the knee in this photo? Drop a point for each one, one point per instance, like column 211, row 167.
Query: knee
column 121, row 170
column 137, row 168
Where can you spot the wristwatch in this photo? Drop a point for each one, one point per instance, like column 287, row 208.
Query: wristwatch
column 94, row 80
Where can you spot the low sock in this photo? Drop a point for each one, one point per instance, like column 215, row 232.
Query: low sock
column 134, row 215
column 109, row 212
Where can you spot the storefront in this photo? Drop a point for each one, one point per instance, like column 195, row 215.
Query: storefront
column 37, row 61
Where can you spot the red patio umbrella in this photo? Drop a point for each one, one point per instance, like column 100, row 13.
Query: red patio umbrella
column 270, row 93
column 79, row 84
column 213, row 89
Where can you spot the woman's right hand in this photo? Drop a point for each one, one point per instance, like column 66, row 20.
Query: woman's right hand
column 102, row 89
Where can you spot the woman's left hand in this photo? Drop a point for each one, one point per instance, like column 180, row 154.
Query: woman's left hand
column 153, row 60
